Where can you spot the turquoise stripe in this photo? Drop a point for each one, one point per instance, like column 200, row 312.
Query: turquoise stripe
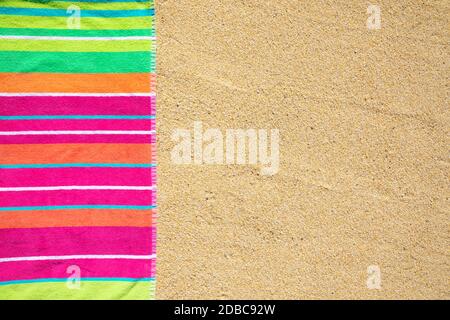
column 76, row 33
column 76, row 117
column 83, row 13
column 77, row 207
column 78, row 165
column 76, row 62
column 5, row 283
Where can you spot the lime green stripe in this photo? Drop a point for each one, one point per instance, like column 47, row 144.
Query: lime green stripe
column 88, row 291
column 76, row 45
column 75, row 62
column 75, row 33
column 9, row 21
column 81, row 5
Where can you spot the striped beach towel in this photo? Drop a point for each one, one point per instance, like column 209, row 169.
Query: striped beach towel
column 77, row 164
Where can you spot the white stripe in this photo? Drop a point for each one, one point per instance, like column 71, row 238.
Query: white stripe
column 73, row 257
column 62, row 94
column 57, row 132
column 78, row 188
column 78, row 38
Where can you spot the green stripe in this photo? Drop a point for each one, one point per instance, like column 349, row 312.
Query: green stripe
column 8, row 21
column 76, row 45
column 100, row 290
column 76, row 62
column 76, row 33
column 131, row 5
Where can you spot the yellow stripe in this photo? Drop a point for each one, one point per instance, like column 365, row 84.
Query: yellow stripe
column 76, row 46
column 9, row 21
column 104, row 290
column 82, row 5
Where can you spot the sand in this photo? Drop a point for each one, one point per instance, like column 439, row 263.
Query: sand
column 364, row 155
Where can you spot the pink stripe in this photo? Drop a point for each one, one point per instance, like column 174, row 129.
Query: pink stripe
column 153, row 106
column 17, row 106
column 75, row 241
column 46, row 125
column 91, row 138
column 76, row 177
column 105, row 268
column 76, row 197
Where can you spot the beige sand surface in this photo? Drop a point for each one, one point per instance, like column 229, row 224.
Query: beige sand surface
column 364, row 123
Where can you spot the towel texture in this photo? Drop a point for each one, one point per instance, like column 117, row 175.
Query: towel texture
column 77, row 158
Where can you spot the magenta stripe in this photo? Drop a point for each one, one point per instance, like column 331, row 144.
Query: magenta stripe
column 46, row 125
column 76, row 197
column 75, row 241
column 104, row 268
column 76, row 176
column 153, row 106
column 92, row 138
column 17, row 106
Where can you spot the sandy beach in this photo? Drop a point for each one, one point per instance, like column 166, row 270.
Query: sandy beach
column 362, row 189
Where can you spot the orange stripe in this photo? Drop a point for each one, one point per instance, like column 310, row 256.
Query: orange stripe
column 75, row 153
column 76, row 218
column 76, row 83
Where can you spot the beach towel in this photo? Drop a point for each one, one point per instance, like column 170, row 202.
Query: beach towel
column 77, row 156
